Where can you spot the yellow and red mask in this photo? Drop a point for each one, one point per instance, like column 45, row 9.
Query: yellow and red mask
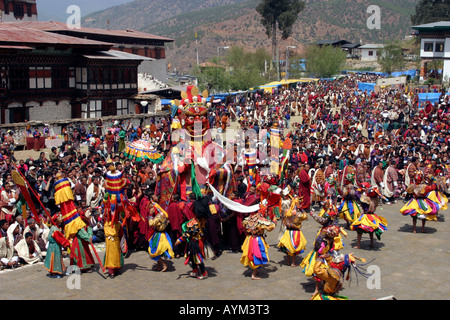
column 195, row 108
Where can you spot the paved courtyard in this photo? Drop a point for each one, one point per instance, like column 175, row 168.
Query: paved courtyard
column 411, row 266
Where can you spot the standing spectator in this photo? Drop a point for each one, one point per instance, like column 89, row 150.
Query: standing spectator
column 79, row 192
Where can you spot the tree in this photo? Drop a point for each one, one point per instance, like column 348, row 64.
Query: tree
column 238, row 70
column 212, row 76
column 391, row 57
column 428, row 11
column 279, row 15
column 324, row 61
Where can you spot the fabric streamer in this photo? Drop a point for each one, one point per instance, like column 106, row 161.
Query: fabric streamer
column 195, row 186
column 232, row 205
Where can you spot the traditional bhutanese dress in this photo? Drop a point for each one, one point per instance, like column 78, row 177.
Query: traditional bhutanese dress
column 71, row 218
column 53, row 259
column 80, row 253
column 437, row 196
column 115, row 184
column 328, row 217
column 421, row 206
column 113, row 253
column 160, row 244
column 349, row 209
column 255, row 249
column 368, row 223
column 293, row 242
column 322, row 245
column 193, row 236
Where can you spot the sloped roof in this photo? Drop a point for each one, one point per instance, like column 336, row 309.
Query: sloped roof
column 11, row 33
column 55, row 26
column 330, row 42
column 372, row 46
column 351, row 45
column 116, row 55
column 433, row 25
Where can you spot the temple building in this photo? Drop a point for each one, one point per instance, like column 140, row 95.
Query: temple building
column 49, row 72
column 435, row 45
column 48, row 76
column 18, row 10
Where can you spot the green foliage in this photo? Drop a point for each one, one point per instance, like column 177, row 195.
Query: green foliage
column 242, row 70
column 391, row 57
column 211, row 78
column 428, row 11
column 281, row 12
column 324, row 61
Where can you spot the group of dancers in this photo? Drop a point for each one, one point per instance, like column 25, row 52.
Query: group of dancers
column 324, row 263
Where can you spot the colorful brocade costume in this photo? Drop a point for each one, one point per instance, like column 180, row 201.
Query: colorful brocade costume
column 369, row 221
column 293, row 241
column 113, row 259
column 331, row 271
column 428, row 198
column 53, row 259
column 195, row 161
column 195, row 249
column 328, row 216
column 437, row 194
column 324, row 244
column 71, row 218
column 255, row 248
column 115, row 206
column 115, row 185
column 160, row 244
column 115, row 202
column 349, row 209
column 80, row 253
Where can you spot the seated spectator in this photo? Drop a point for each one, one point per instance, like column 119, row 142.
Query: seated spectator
column 28, row 250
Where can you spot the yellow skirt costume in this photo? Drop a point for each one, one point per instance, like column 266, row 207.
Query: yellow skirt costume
column 113, row 253
column 370, row 222
column 293, row 242
column 440, row 198
column 255, row 252
column 349, row 210
column 338, row 243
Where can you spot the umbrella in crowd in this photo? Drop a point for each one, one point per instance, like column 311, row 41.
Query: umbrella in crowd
column 142, row 149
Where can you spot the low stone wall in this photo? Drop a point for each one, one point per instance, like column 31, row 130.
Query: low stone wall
column 56, row 126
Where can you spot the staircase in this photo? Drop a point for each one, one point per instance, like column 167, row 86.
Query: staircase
column 147, row 82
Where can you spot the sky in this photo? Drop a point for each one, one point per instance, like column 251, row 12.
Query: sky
column 57, row 10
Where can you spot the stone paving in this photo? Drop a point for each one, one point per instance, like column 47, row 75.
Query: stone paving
column 411, row 267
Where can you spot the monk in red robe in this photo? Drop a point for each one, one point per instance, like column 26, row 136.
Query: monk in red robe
column 175, row 221
column 145, row 232
column 304, row 187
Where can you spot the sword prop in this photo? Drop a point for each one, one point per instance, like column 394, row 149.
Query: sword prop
column 98, row 258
